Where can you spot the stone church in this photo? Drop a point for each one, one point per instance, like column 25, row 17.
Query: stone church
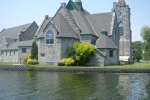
column 109, row 33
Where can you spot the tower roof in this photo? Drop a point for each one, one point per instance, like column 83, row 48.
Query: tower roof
column 121, row 3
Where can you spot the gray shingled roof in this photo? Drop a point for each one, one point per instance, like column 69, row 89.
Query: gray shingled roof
column 15, row 45
column 82, row 22
column 64, row 28
column 101, row 22
column 9, row 40
column 41, row 28
column 12, row 32
column 105, row 42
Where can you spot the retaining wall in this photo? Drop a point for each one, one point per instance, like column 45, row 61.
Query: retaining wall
column 74, row 70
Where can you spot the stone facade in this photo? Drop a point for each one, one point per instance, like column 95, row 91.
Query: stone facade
column 71, row 24
column 13, row 40
column 123, row 17
column 53, row 53
column 16, row 56
column 10, row 56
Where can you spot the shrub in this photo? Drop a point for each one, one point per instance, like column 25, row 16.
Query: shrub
column 32, row 61
column 68, row 61
column 28, row 56
column 83, row 52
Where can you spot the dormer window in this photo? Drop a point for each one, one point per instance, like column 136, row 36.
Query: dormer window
column 49, row 37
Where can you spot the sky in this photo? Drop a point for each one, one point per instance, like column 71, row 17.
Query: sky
column 18, row 12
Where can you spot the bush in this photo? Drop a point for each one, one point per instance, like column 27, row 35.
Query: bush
column 83, row 52
column 68, row 61
column 32, row 61
column 28, row 56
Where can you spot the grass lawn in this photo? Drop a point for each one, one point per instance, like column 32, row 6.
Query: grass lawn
column 141, row 65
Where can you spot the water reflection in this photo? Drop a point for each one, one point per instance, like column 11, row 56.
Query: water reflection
column 73, row 86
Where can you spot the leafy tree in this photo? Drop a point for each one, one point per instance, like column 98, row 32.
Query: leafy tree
column 145, row 33
column 138, row 55
column 34, row 51
column 83, row 52
column 137, row 45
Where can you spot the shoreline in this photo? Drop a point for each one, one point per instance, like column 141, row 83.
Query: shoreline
column 74, row 70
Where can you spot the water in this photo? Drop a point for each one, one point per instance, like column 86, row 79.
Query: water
column 16, row 85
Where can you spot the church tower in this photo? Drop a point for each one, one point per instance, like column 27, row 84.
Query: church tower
column 124, row 29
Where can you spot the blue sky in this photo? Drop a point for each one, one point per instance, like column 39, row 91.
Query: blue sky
column 18, row 12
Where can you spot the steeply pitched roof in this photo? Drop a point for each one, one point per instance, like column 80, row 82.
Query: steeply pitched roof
column 100, row 22
column 41, row 28
column 65, row 30
column 121, row 3
column 83, row 22
column 9, row 40
column 13, row 32
column 15, row 45
column 105, row 42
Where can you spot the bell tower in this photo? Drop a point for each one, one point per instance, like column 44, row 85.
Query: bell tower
column 124, row 29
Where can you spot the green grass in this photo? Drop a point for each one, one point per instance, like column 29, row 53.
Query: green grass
column 141, row 65
column 6, row 63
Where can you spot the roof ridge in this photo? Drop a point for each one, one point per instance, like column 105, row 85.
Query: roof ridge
column 18, row 26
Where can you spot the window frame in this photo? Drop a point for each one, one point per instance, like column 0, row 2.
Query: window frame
column 111, row 53
column 49, row 37
column 24, row 50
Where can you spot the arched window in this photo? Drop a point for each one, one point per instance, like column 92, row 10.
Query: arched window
column 49, row 37
column 120, row 28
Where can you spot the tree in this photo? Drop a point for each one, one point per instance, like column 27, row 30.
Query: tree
column 138, row 55
column 137, row 45
column 83, row 52
column 145, row 34
column 34, row 51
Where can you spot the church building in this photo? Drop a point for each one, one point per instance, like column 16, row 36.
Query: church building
column 109, row 33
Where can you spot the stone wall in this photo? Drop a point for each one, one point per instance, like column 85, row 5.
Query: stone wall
column 123, row 15
column 96, row 60
column 21, row 55
column 10, row 56
column 112, row 60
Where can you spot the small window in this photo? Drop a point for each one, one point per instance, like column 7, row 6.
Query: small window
column 120, row 13
column 6, row 53
column 24, row 50
column 42, row 54
column 10, row 53
column 110, row 53
column 120, row 28
column 49, row 37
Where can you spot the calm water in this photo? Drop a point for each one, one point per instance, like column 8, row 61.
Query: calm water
column 69, row 86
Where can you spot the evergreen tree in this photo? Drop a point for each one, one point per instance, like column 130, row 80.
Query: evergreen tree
column 34, row 51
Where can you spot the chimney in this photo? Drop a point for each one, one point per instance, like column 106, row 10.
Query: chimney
column 63, row 4
column 46, row 16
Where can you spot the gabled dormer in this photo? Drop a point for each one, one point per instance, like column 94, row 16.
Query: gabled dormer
column 75, row 5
